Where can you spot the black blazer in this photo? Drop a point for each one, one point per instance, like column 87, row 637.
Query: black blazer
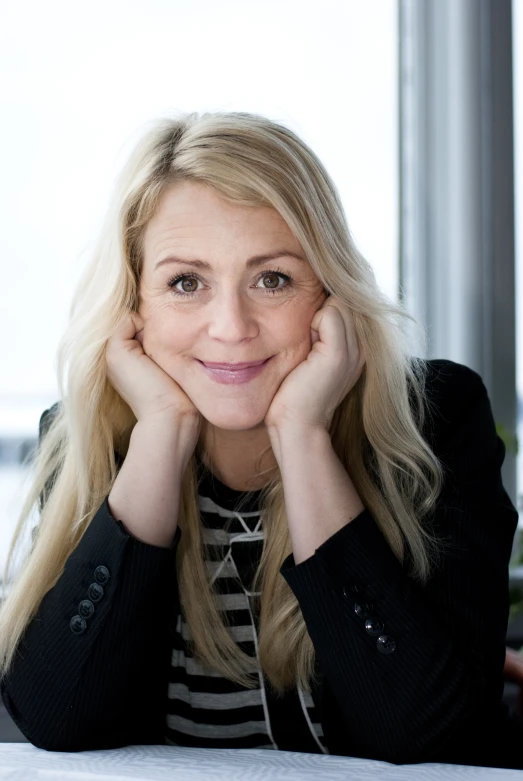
column 431, row 692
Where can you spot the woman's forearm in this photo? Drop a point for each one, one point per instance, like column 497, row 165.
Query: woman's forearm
column 145, row 496
column 320, row 497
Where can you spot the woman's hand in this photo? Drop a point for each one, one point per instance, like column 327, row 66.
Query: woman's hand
column 142, row 384
column 310, row 394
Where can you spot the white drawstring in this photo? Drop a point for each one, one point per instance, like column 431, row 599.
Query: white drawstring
column 307, row 717
column 262, row 687
column 250, row 536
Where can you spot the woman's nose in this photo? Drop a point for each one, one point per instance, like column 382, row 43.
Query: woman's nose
column 232, row 317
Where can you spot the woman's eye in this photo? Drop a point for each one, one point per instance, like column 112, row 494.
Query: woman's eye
column 183, row 278
column 274, row 286
column 192, row 281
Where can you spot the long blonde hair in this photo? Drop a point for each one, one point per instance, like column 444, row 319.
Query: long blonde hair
column 376, row 431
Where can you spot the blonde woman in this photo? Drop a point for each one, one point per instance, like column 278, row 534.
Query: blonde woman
column 306, row 553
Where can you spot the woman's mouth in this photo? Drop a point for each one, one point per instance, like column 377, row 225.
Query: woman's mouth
column 234, row 374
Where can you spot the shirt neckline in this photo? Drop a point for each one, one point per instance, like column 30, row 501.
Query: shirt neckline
column 209, row 485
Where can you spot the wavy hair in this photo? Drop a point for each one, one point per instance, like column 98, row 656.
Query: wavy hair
column 376, row 430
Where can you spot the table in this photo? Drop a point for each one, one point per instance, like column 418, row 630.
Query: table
column 24, row 762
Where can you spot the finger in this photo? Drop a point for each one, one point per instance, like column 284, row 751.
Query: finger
column 125, row 328
column 330, row 325
column 138, row 321
column 137, row 327
column 315, row 337
column 353, row 346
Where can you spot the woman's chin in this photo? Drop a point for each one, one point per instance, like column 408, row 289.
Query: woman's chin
column 233, row 419
column 226, row 424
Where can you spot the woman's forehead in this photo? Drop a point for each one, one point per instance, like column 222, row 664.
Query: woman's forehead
column 193, row 204
column 192, row 219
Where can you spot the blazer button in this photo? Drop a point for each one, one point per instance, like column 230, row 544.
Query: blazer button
column 374, row 626
column 385, row 644
column 101, row 575
column 364, row 610
column 86, row 608
column 352, row 590
column 77, row 625
column 95, row 592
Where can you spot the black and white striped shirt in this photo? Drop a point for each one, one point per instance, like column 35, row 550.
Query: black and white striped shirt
column 203, row 708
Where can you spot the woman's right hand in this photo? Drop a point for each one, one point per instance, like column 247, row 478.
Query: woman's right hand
column 143, row 385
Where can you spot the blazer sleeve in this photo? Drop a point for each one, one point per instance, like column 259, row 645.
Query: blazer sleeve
column 417, row 671
column 90, row 671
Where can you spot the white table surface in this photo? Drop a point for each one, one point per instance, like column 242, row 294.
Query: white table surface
column 24, row 762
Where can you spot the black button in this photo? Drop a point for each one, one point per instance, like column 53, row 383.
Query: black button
column 86, row 608
column 95, row 592
column 364, row 611
column 352, row 590
column 385, row 644
column 102, row 575
column 77, row 625
column 374, row 626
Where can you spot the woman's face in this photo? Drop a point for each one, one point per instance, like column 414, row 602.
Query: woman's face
column 228, row 313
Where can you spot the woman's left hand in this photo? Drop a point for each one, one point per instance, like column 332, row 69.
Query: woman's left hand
column 311, row 392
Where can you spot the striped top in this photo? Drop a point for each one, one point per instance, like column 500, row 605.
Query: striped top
column 204, row 709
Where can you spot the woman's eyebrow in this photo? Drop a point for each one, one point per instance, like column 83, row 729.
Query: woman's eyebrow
column 255, row 261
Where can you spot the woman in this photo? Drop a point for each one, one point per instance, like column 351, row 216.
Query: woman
column 309, row 554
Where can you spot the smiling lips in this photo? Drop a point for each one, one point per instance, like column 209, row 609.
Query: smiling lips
column 232, row 366
column 234, row 374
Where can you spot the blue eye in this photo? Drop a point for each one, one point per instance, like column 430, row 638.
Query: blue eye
column 271, row 291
